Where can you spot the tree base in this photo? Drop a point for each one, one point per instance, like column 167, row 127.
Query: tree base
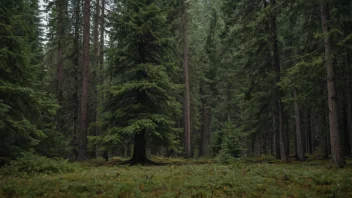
column 142, row 162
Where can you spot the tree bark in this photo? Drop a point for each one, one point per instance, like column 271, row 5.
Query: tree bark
column 286, row 136
column 102, row 40
column 62, row 11
column 349, row 105
column 204, row 150
column 276, row 137
column 82, row 155
column 277, row 68
column 75, row 98
column 299, row 138
column 186, row 103
column 323, row 136
column 139, row 151
column 308, row 133
column 312, row 126
column 295, row 141
column 95, row 62
column 336, row 150
column 100, row 67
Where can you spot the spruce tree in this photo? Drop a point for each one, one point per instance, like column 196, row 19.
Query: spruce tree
column 140, row 95
column 22, row 106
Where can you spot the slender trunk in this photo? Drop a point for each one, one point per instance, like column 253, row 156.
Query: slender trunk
column 204, row 150
column 62, row 9
column 102, row 40
column 328, row 145
column 75, row 98
column 312, row 132
column 309, row 133
column 295, row 142
column 349, row 106
column 299, row 138
column 276, row 137
column 345, row 140
column 270, row 142
column 277, row 68
column 336, row 150
column 95, row 66
column 99, row 69
column 286, row 136
column 187, row 111
column 323, row 136
column 85, row 81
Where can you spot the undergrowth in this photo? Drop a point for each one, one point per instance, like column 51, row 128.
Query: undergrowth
column 186, row 178
column 29, row 164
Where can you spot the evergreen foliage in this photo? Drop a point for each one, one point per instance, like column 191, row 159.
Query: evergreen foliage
column 231, row 143
column 24, row 110
column 261, row 77
column 140, row 95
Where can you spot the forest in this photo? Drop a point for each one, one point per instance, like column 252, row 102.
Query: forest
column 175, row 98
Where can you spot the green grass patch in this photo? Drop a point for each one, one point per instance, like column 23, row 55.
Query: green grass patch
column 185, row 178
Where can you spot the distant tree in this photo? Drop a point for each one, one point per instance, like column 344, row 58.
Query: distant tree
column 83, row 128
column 186, row 103
column 336, row 150
column 61, row 11
column 277, row 67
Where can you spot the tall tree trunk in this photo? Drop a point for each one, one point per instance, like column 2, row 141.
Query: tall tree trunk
column 336, row 150
column 62, row 11
column 204, row 150
column 299, row 137
column 276, row 136
column 102, row 38
column 309, row 132
column 270, row 142
column 75, row 98
column 277, row 68
column 323, row 136
column 100, row 67
column 95, row 67
column 82, row 155
column 102, row 31
column 312, row 132
column 186, row 103
column 345, row 138
column 295, row 141
column 286, row 136
column 327, row 126
column 349, row 105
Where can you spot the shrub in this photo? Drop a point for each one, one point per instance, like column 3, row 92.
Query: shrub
column 231, row 144
column 30, row 163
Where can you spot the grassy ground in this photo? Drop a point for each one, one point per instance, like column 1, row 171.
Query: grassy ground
column 196, row 178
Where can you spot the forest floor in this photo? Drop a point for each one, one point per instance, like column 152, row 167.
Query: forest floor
column 257, row 177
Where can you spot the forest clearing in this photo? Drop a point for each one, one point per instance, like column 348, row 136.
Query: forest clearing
column 254, row 177
column 176, row 98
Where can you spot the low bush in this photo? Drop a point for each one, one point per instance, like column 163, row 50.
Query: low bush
column 30, row 163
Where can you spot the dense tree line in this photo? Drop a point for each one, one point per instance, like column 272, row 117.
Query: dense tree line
column 176, row 78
